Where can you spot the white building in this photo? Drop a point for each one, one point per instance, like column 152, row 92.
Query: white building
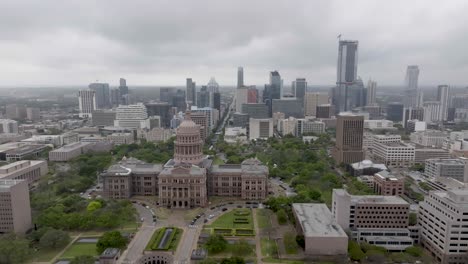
column 394, row 154
column 242, row 94
column 233, row 135
column 121, row 138
column 305, row 126
column 461, row 115
column 69, row 151
column 371, row 93
column 287, row 126
column 432, row 111
column 378, row 124
column 260, row 128
column 8, row 126
column 131, row 116
column 454, row 168
column 312, row 100
column 87, row 103
column 29, row 170
column 443, row 217
column 156, row 134
column 429, row 138
column 443, row 96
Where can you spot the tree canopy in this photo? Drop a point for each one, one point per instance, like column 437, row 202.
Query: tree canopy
column 111, row 239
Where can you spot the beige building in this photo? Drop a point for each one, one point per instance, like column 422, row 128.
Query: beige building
column 394, row 154
column 260, row 128
column 312, row 100
column 156, row 134
column 322, row 235
column 121, row 138
column 15, row 210
column 70, row 151
column 349, row 137
column 387, row 184
column 201, row 119
column 29, row 170
column 422, row 154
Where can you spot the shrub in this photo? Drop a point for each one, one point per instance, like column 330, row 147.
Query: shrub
column 282, row 216
column 216, row 244
column 414, row 251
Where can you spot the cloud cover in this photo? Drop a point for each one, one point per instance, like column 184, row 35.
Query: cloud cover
column 56, row 42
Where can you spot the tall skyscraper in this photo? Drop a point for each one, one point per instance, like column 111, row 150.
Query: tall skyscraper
column 346, row 72
column 102, row 94
column 371, row 92
column 240, row 77
column 123, row 87
column 299, row 88
column 412, row 113
column 273, row 90
column 242, row 94
column 87, row 102
column 312, row 100
column 252, row 95
column 395, row 112
column 432, row 111
column 191, row 92
column 212, row 86
column 411, row 85
column 443, row 96
column 349, row 137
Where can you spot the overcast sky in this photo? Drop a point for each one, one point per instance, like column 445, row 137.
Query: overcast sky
column 47, row 42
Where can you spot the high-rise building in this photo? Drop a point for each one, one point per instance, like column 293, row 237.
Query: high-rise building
column 240, row 77
column 346, row 72
column 349, row 137
column 432, row 111
column 273, row 90
column 212, row 86
column 102, row 94
column 289, row 106
column 161, row 109
column 412, row 93
column 201, row 119
column 258, row 110
column 87, row 102
column 443, row 96
column 371, row 93
column 242, row 94
column 443, row 217
column 299, row 88
column 131, row 116
column 115, row 97
column 312, row 100
column 252, row 95
column 412, row 113
column 178, row 100
column 15, row 215
column 324, row 111
column 191, row 93
column 395, row 112
column 204, row 98
column 14, row 111
column 260, row 128
column 8, row 126
column 166, row 94
column 123, row 87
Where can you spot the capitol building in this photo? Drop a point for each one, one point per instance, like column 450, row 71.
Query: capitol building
column 187, row 180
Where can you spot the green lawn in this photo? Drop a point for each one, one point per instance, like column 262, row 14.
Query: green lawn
column 269, row 248
column 290, row 243
column 218, row 161
column 45, row 255
column 227, row 220
column 79, row 249
column 264, row 218
column 158, row 235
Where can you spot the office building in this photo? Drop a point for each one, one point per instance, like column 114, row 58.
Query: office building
column 8, row 126
column 191, row 92
column 240, row 120
column 252, row 95
column 387, row 184
column 432, row 111
column 366, row 168
column 349, row 137
column 166, row 94
column 33, row 113
column 395, row 112
column 324, row 111
column 371, row 93
column 260, row 128
column 415, row 126
column 240, row 77
column 287, row 126
column 15, row 213
column 412, row 113
column 242, row 94
column 289, row 106
column 299, row 88
column 102, row 94
column 447, row 167
column 394, row 154
column 322, row 235
column 373, row 110
column 201, row 119
column 211, row 113
column 204, row 98
column 123, row 88
column 258, row 110
column 235, row 135
column 23, row 151
column 421, row 154
column 273, row 90
column 131, row 116
column 386, row 139
column 29, row 170
column 87, row 103
column 443, row 217
column 411, row 83
column 161, row 109
column 346, row 73
column 306, row 126
column 312, row 100
column 69, row 151
column 429, row 138
column 13, row 111
column 379, row 125
column 443, row 96
column 103, row 117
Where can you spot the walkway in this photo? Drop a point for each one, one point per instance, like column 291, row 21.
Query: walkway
column 65, row 249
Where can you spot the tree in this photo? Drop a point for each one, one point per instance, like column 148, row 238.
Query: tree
column 83, row 260
column 241, row 248
column 13, row 249
column 413, row 219
column 111, row 239
column 233, row 260
column 282, row 216
column 216, row 244
column 54, row 238
column 355, row 252
column 93, row 206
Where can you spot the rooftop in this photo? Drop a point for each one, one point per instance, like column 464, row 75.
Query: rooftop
column 110, row 252
column 5, row 185
column 447, row 161
column 371, row 199
column 317, row 220
column 368, row 164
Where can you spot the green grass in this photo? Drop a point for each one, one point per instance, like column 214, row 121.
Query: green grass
column 218, row 161
column 290, row 244
column 45, row 255
column 264, row 218
column 275, row 260
column 268, row 247
column 79, row 249
column 227, row 220
column 158, row 235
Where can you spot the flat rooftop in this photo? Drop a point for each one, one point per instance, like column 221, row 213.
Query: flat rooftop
column 371, row 199
column 316, row 220
column 25, row 149
column 5, row 185
column 447, row 161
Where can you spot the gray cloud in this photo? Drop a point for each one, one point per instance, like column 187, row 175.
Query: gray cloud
column 53, row 42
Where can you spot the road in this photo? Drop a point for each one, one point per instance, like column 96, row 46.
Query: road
column 289, row 191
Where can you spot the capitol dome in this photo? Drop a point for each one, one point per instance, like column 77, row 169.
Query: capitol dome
column 188, row 143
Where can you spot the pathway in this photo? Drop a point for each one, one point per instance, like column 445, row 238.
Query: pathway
column 64, row 249
column 258, row 247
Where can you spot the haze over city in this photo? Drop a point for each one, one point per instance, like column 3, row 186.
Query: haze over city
column 161, row 42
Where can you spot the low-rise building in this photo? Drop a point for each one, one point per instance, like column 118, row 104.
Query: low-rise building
column 386, row 183
column 15, row 212
column 421, row 154
column 453, row 168
column 365, row 167
column 322, row 235
column 19, row 151
column 110, row 255
column 287, row 126
column 306, row 126
column 29, row 170
column 233, row 135
column 121, row 138
column 260, row 128
column 156, row 134
column 394, row 154
column 379, row 124
column 69, row 151
column 429, row 138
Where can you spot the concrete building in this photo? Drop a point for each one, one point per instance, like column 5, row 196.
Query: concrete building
column 259, row 110
column 242, row 94
column 109, row 256
column 365, row 168
column 429, row 138
column 415, row 126
column 87, row 103
column 16, row 112
column 156, row 134
column 421, row 154
column 461, row 115
column 322, row 235
column 287, row 126
column 371, row 93
column 432, row 111
column 103, row 117
column 306, row 126
column 15, row 213
column 22, row 152
column 289, row 106
column 233, row 135
column 277, row 117
column 70, row 151
column 121, row 138
column 443, row 96
column 33, row 113
column 394, row 154
column 412, row 113
column 201, row 119
column 378, row 124
column 375, row 112
column 312, row 100
column 324, row 111
column 349, row 137
column 131, row 116
column 161, row 109
column 240, row 119
column 260, row 128
column 453, row 168
column 299, row 88
column 388, row 184
column 8, row 126
column 443, row 217
column 29, row 170
column 395, row 112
